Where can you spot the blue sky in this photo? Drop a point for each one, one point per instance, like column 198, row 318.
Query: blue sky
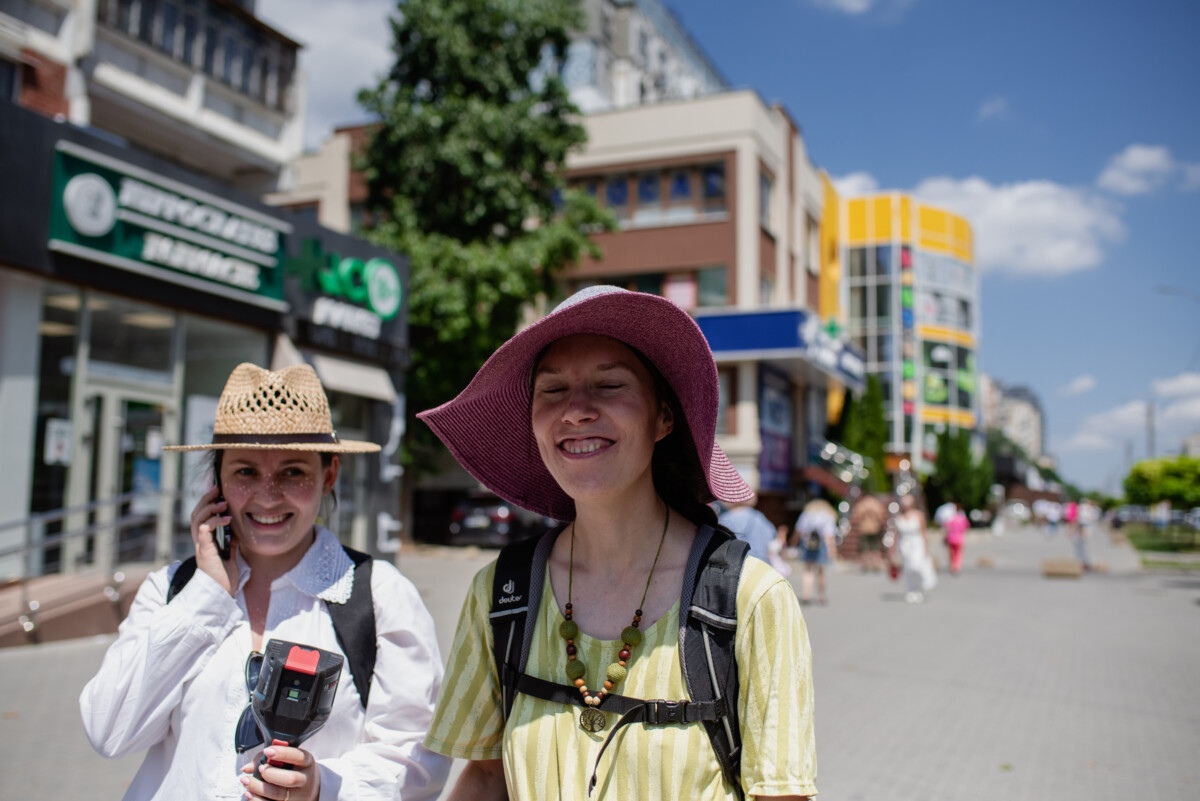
column 1068, row 133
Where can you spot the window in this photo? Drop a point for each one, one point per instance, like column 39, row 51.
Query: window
column 724, row 399
column 145, row 30
column 9, row 83
column 883, row 260
column 190, row 31
column 764, row 200
column 883, row 303
column 170, row 18
column 228, row 54
column 858, row 262
column 681, row 203
column 858, row 302
column 712, row 287
column 616, row 196
column 210, row 51
column 649, row 202
column 713, row 188
column 883, row 348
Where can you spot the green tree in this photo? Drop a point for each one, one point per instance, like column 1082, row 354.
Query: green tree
column 465, row 169
column 957, row 475
column 863, row 429
column 1175, row 480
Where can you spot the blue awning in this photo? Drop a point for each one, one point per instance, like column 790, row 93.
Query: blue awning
column 785, row 337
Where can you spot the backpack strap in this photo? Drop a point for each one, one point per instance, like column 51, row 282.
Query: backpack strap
column 707, row 633
column 516, row 596
column 183, row 574
column 354, row 625
column 353, row 621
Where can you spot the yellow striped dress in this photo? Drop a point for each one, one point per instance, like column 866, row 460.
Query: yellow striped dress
column 548, row 756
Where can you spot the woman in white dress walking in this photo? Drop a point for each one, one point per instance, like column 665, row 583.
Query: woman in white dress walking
column 912, row 545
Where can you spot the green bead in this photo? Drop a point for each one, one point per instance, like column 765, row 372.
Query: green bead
column 568, row 629
column 632, row 635
column 616, row 674
column 575, row 669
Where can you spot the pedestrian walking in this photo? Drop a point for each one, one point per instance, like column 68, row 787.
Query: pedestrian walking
column 868, row 520
column 603, row 414
column 912, row 547
column 956, row 534
column 817, row 530
column 751, row 526
column 175, row 681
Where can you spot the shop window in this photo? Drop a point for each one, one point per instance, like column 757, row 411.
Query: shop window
column 129, row 339
column 713, row 188
column 649, row 200
column 681, row 290
column 712, row 287
column 651, row 283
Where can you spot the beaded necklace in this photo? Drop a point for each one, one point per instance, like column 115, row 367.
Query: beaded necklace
column 592, row 719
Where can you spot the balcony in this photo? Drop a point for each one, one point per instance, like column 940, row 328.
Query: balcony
column 201, row 82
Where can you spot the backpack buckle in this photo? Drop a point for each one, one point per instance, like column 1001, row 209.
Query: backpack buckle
column 664, row 713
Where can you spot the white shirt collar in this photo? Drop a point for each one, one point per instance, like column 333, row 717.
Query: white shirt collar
column 325, row 571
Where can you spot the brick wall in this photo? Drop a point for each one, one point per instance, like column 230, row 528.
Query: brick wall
column 43, row 85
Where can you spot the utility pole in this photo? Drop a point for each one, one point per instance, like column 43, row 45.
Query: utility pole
column 1150, row 429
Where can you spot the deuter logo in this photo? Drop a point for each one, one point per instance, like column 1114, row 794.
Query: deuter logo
column 508, row 597
column 509, row 586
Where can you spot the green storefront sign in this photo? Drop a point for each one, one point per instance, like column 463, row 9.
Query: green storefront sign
column 122, row 215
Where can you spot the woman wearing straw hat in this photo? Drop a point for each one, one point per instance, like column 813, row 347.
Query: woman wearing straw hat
column 603, row 414
column 175, row 680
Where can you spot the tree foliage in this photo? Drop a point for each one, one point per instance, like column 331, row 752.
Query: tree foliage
column 1155, row 480
column 957, row 475
column 863, row 429
column 465, row 170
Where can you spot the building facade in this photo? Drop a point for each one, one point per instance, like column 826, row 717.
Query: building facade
column 1017, row 412
column 720, row 210
column 633, row 53
column 909, row 291
column 138, row 267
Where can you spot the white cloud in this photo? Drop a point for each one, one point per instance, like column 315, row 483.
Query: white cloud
column 1030, row 226
column 1137, row 170
column 1106, row 430
column 1141, row 169
column 1182, row 385
column 993, row 107
column 854, row 7
column 1173, row 420
column 889, row 9
column 856, row 184
column 347, row 47
column 1080, row 385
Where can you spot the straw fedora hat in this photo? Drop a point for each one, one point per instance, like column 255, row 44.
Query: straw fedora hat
column 487, row 427
column 285, row 410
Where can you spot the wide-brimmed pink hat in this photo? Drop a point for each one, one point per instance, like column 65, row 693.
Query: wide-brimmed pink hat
column 487, row 427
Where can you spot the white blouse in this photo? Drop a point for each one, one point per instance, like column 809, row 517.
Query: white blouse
column 173, row 682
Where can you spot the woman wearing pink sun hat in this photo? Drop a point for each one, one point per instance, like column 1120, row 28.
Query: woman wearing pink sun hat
column 603, row 415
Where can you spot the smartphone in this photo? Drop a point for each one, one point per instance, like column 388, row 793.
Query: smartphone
column 223, row 535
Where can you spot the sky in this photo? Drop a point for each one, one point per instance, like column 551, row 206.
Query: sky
column 1068, row 134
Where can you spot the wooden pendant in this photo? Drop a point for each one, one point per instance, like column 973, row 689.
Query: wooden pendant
column 592, row 720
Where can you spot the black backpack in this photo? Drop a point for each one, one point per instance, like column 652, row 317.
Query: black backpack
column 707, row 629
column 353, row 621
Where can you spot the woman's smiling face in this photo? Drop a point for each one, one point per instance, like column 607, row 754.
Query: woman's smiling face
column 596, row 416
column 274, row 497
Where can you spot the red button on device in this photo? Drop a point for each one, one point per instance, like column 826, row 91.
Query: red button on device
column 303, row 661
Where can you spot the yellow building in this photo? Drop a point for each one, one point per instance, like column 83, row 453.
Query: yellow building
column 908, row 294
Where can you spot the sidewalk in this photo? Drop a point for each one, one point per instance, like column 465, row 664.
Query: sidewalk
column 1004, row 685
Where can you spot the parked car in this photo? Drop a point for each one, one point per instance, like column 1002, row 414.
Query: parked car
column 483, row 519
